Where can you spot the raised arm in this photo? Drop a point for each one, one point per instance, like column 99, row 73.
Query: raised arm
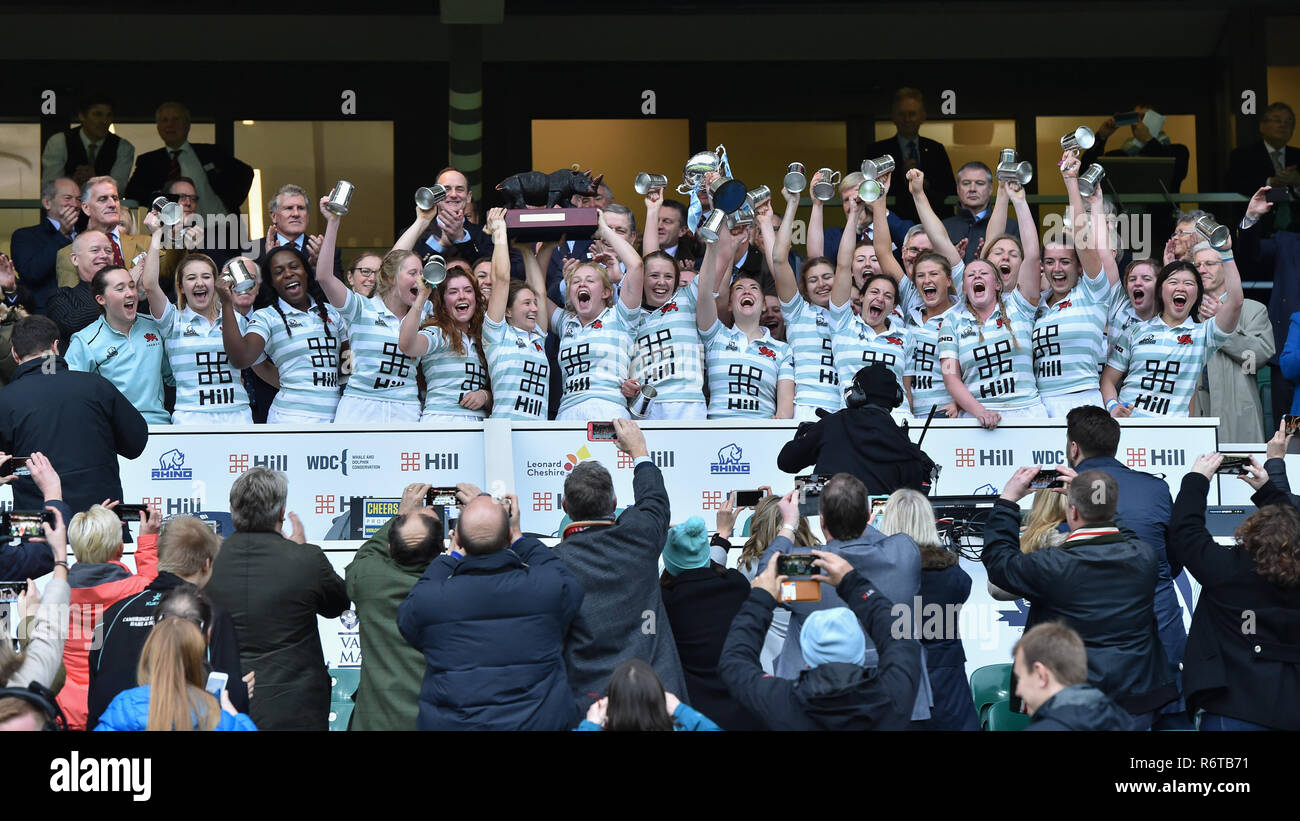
column 786, row 286
column 816, row 244
column 406, row 242
column 630, row 291
column 654, row 200
column 929, row 220
column 1080, row 228
column 880, row 237
column 409, row 339
column 496, row 228
column 998, row 216
column 149, row 278
column 1028, row 278
column 335, row 291
column 241, row 349
column 842, row 287
column 1101, row 237
column 1230, row 311
column 706, row 309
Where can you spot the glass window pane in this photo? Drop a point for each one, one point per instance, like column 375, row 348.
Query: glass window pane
column 1181, row 129
column 144, row 136
column 20, row 176
column 619, row 149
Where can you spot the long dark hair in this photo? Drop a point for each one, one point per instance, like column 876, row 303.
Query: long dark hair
column 1169, row 270
column 270, row 297
column 636, row 699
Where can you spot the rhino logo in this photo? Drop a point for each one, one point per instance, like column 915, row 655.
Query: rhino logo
column 729, row 461
column 171, row 460
column 171, row 465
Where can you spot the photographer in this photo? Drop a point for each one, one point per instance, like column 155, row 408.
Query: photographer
column 379, row 578
column 30, row 559
column 42, row 618
column 862, row 440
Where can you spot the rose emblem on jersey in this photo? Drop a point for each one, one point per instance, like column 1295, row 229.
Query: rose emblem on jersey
column 537, row 346
column 671, row 306
column 1185, row 339
column 894, row 340
column 596, row 326
column 1062, row 305
column 768, row 352
column 150, row 337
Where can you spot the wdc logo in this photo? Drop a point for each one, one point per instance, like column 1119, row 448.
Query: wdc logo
column 170, row 467
column 729, row 461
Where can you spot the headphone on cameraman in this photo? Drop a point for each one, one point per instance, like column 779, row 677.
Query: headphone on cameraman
column 857, row 395
column 43, row 699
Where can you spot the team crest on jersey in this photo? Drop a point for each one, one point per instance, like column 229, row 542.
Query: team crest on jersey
column 1062, row 305
column 151, row 337
column 537, row 346
column 519, row 342
column 596, row 326
column 894, row 340
column 1185, row 339
column 1149, row 339
column 768, row 352
column 189, row 331
column 671, row 306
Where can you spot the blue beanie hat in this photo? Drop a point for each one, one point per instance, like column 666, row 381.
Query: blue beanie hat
column 832, row 635
column 687, row 547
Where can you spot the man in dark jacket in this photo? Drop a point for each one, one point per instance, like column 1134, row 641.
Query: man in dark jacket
column 36, row 248
column 617, row 562
column 910, row 150
column 1092, row 440
column 186, row 550
column 222, row 181
column 274, row 589
column 379, row 579
column 1101, row 582
column 28, row 559
column 862, row 440
column 78, row 420
column 1051, row 667
column 837, row 693
column 492, row 626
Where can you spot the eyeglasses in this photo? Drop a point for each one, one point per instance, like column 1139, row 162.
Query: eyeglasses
column 369, row 272
column 190, row 197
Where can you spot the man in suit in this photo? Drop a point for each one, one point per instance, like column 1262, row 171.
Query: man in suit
column 974, row 190
column 35, row 249
column 910, row 150
column 221, row 182
column 103, row 209
column 451, row 233
column 892, row 563
column 90, row 149
column 665, row 230
column 289, row 212
column 74, row 307
column 1269, row 162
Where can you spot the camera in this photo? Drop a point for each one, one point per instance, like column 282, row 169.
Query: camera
column 1233, row 465
column 810, row 491
column 441, row 497
column 1045, row 479
column 799, row 564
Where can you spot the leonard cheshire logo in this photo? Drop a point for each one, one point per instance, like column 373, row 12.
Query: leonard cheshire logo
column 171, row 467
column 558, row 467
column 729, row 461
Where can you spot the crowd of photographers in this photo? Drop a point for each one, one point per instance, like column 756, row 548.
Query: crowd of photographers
column 631, row 622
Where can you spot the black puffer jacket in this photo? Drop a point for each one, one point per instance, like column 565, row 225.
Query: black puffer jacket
column 863, row 442
column 1080, row 707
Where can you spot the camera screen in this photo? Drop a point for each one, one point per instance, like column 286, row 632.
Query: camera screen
column 601, row 431
column 24, row 525
column 799, row 565
column 440, row 497
column 1233, row 464
column 1046, row 479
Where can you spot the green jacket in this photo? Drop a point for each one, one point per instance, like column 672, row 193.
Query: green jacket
column 388, row 697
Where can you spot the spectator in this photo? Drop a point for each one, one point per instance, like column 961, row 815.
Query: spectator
column 862, row 440
column 891, row 563
column 172, row 675
column 123, row 347
column 379, row 578
column 491, row 626
column 89, row 149
column 836, row 692
column 188, row 237
column 1144, row 505
column 974, row 190
column 1229, row 389
column 9, row 317
column 75, row 308
column 910, row 150
column 617, row 564
column 1271, row 161
column 187, row 549
column 670, row 235
column 1237, row 678
column 34, row 710
column 771, row 318
column 1042, row 529
column 289, row 213
column 637, row 702
column 945, row 586
column 46, row 404
column 448, row 229
column 362, row 273
column 42, row 618
column 1101, row 582
column 702, row 597
column 35, row 249
column 105, row 214
column 221, row 182
column 274, row 589
column 1051, row 667
column 1275, row 464
column 98, row 578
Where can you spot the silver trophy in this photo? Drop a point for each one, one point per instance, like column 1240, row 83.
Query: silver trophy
column 697, row 166
column 824, row 189
column 758, row 197
column 1080, row 138
column 241, row 275
column 642, row 401
column 645, row 183
column 727, row 194
column 870, row 190
column 712, row 226
column 435, row 270
column 795, row 179
column 1090, row 179
column 1217, row 235
column 1009, row 170
column 169, row 213
column 339, row 198
column 426, row 198
column 744, row 215
column 877, row 168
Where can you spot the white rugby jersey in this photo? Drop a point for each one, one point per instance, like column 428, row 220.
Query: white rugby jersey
column 595, row 359
column 205, row 380
column 923, row 364
column 305, row 354
column 519, row 369
column 668, row 351
column 1161, row 365
column 1069, row 337
column 808, row 332
column 448, row 376
column 379, row 368
column 743, row 374
column 909, row 298
column 855, row 345
column 995, row 357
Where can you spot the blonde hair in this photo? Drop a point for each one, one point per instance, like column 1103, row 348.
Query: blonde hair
column 171, row 663
column 1002, row 308
column 180, row 276
column 96, row 535
column 765, row 526
column 1044, row 518
column 910, row 513
column 605, row 282
column 389, row 267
